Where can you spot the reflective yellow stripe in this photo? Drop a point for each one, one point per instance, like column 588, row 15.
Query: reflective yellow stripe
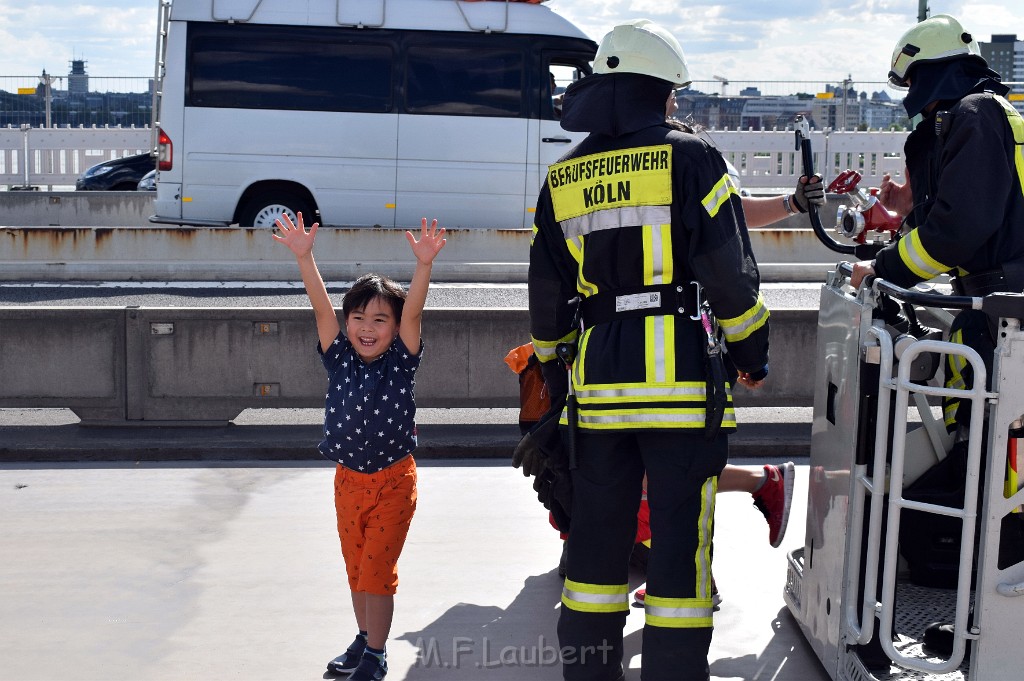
column 533, row 234
column 955, row 364
column 1017, row 125
column 595, row 597
column 584, row 287
column 648, row 418
column 678, row 613
column 651, row 264
column 949, row 411
column 659, row 331
column 1011, row 484
column 719, row 194
column 705, row 533
column 652, row 350
column 626, row 177
column 667, row 261
column 691, row 613
column 579, row 371
column 916, row 258
column 545, row 350
column 738, row 328
column 1014, row 118
column 657, row 252
column 670, row 349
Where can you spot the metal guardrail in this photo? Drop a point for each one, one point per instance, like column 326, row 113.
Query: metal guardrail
column 127, row 365
column 55, row 157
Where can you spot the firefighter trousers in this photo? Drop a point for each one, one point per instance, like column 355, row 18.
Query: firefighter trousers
column 682, row 470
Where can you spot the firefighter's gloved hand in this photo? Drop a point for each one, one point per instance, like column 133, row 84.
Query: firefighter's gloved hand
column 808, row 191
column 556, row 378
column 535, row 450
column 554, row 491
column 529, row 456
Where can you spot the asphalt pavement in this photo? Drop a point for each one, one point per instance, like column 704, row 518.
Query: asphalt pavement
column 49, row 435
column 214, row 571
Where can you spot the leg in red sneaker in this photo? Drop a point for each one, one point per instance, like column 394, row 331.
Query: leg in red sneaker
column 774, row 498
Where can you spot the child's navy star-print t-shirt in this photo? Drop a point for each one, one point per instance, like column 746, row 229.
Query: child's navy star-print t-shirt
column 370, row 417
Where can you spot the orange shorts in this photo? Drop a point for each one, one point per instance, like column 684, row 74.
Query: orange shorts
column 374, row 512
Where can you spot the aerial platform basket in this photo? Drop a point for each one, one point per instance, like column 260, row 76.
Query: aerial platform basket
column 877, row 427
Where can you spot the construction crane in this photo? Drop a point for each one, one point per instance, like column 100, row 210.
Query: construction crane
column 723, row 81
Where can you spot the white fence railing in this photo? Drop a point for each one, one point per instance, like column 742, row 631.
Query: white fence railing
column 764, row 158
column 770, row 159
column 55, row 157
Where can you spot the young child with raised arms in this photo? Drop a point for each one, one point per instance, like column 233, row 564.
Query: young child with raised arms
column 369, row 428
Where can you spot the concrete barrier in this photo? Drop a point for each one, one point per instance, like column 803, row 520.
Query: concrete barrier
column 187, row 366
column 76, row 209
column 162, row 253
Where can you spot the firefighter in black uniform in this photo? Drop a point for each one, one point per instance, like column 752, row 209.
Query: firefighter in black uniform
column 963, row 196
column 639, row 230
column 964, row 202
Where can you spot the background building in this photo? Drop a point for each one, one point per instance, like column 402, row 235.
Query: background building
column 78, row 79
column 1005, row 56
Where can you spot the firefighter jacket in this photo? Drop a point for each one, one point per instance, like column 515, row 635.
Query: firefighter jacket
column 630, row 220
column 966, row 170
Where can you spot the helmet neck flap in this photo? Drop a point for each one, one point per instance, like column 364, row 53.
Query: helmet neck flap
column 951, row 80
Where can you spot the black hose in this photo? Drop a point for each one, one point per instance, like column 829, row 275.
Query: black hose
column 860, row 251
column 812, row 210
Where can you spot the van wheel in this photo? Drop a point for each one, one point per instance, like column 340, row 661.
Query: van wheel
column 264, row 210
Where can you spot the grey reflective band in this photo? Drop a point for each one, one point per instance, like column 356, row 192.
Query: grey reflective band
column 616, row 218
column 679, row 613
column 597, row 599
column 697, row 390
column 731, row 331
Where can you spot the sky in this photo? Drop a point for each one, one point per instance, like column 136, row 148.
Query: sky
column 740, row 40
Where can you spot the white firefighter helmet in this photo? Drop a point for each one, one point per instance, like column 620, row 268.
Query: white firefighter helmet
column 642, row 46
column 937, row 38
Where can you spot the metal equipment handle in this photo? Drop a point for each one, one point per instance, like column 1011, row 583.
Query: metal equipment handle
column 803, row 145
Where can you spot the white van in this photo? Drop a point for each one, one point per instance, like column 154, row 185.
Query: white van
column 368, row 112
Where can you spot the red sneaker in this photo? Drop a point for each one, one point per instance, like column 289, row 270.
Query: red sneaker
column 774, row 499
column 716, row 599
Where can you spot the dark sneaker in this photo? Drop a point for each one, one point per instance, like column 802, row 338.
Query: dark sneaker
column 371, row 668
column 774, row 499
column 347, row 662
column 938, row 638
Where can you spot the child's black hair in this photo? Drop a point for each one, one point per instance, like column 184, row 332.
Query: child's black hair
column 370, row 286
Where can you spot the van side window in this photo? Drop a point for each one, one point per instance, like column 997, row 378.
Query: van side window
column 466, row 81
column 257, row 67
column 562, row 72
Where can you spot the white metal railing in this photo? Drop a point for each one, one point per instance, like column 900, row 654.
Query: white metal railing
column 48, row 157
column 769, row 158
column 764, row 158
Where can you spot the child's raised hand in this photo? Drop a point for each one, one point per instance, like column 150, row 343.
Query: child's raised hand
column 295, row 236
column 430, row 243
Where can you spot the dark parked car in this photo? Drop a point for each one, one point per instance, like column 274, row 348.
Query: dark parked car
column 119, row 174
column 148, row 182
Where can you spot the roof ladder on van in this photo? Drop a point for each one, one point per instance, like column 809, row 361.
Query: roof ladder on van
column 231, row 18
column 487, row 28
column 159, row 70
column 360, row 22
